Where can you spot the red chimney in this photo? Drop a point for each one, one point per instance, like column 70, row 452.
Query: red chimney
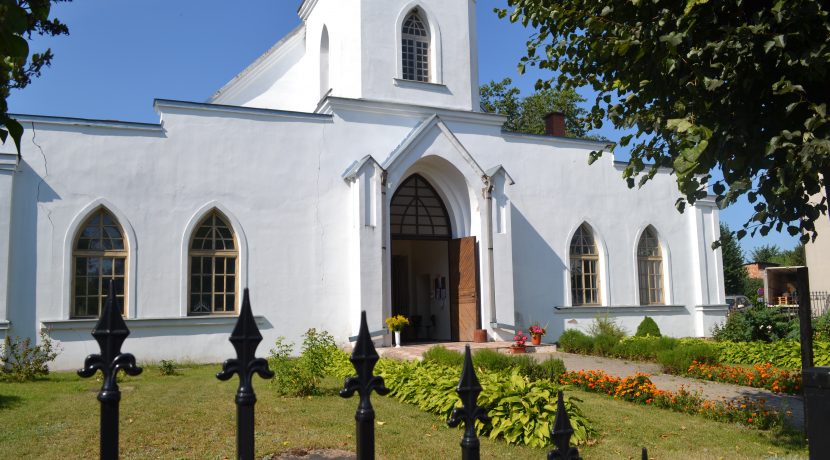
column 555, row 124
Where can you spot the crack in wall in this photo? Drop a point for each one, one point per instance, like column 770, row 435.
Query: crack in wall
column 43, row 178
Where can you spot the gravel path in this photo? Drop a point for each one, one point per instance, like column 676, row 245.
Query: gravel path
column 710, row 390
column 620, row 368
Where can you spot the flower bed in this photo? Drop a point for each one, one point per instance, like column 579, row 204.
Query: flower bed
column 759, row 376
column 639, row 389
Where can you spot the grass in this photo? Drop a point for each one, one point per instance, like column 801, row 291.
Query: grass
column 192, row 415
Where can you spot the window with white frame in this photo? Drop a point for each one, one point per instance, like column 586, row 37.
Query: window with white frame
column 415, row 48
column 213, row 267
column 650, row 268
column 584, row 267
column 99, row 256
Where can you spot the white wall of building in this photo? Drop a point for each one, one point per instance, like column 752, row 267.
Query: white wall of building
column 308, row 194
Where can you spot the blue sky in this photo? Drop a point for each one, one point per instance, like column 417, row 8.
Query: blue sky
column 122, row 54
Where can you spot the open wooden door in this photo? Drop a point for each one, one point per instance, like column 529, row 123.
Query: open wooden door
column 465, row 316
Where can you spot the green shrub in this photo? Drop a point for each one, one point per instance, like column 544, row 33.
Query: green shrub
column 495, row 361
column 440, row 355
column 643, row 348
column 289, row 380
column 821, row 327
column 550, row 369
column 22, row 361
column 167, row 367
column 781, row 353
column 648, row 327
column 604, row 344
column 606, row 326
column 521, row 410
column 301, row 376
column 576, row 341
column 678, row 359
column 606, row 335
column 758, row 323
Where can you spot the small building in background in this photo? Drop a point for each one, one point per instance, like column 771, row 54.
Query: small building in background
column 755, row 270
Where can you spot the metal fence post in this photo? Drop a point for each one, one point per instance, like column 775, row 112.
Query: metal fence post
column 816, row 381
column 245, row 339
column 561, row 433
column 364, row 357
column 110, row 332
column 468, row 389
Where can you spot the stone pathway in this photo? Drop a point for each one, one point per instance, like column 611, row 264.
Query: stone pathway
column 621, row 368
column 710, row 390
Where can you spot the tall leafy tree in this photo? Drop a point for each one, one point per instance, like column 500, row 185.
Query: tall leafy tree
column 765, row 253
column 772, row 253
column 527, row 114
column 19, row 19
column 734, row 273
column 732, row 85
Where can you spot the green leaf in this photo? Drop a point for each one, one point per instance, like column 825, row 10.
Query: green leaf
column 690, row 4
column 15, row 130
column 681, row 125
column 712, row 83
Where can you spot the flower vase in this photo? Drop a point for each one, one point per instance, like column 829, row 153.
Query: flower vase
column 536, row 339
column 397, row 339
column 517, row 349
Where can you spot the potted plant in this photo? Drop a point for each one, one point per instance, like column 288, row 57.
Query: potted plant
column 536, row 333
column 395, row 324
column 519, row 343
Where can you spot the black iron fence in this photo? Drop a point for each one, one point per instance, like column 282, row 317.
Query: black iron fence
column 111, row 331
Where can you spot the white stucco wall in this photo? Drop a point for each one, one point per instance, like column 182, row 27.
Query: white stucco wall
column 308, row 197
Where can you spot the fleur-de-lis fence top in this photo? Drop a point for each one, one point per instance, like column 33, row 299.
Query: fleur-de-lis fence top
column 561, row 434
column 110, row 332
column 364, row 357
column 245, row 339
column 468, row 389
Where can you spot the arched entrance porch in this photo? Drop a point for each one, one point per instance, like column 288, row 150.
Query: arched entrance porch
column 434, row 278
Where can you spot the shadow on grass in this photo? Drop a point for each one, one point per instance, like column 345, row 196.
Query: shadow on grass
column 789, row 439
column 10, row 401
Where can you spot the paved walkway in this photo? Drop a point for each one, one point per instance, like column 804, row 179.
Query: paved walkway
column 621, row 368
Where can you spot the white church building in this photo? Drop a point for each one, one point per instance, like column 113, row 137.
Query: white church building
column 348, row 168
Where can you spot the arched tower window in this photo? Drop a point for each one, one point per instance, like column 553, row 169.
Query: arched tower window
column 415, row 48
column 584, row 267
column 417, row 211
column 214, row 257
column 99, row 255
column 324, row 63
column 650, row 268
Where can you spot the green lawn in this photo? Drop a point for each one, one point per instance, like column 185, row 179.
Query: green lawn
column 192, row 415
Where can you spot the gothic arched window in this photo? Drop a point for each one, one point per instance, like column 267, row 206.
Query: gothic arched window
column 415, row 48
column 213, row 267
column 650, row 268
column 99, row 255
column 417, row 212
column 584, row 267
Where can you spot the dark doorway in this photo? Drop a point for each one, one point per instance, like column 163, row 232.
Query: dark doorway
column 434, row 278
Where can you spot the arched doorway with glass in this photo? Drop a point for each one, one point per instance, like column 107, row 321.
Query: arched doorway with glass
column 434, row 277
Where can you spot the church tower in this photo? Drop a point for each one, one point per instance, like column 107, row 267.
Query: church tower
column 419, row 52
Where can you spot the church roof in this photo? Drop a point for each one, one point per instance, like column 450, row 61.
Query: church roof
column 273, row 52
